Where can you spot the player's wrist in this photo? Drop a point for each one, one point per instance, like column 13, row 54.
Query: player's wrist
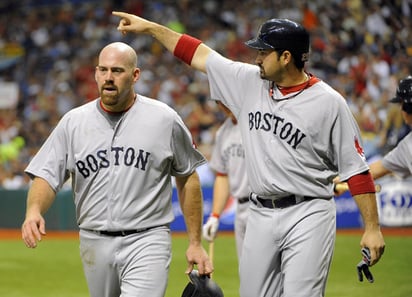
column 215, row 215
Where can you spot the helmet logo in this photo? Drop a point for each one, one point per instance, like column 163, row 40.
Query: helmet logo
column 305, row 57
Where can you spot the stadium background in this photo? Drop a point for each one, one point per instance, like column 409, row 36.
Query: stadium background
column 48, row 52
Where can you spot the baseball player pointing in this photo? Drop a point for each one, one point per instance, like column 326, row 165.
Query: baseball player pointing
column 121, row 151
column 298, row 134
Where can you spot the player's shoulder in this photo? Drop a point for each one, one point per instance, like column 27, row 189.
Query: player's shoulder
column 153, row 104
column 324, row 91
column 81, row 110
column 215, row 59
column 327, row 88
column 407, row 140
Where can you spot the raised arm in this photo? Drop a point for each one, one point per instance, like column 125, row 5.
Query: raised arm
column 173, row 41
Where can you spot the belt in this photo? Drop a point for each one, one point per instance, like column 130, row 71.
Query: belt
column 243, row 200
column 280, row 202
column 120, row 232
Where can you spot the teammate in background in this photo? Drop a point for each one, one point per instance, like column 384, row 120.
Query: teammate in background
column 298, row 134
column 398, row 160
column 228, row 162
column 121, row 151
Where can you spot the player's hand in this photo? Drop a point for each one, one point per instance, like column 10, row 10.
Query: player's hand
column 373, row 240
column 339, row 187
column 131, row 23
column 197, row 255
column 32, row 230
column 209, row 230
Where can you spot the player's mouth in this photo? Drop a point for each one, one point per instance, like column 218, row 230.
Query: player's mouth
column 109, row 89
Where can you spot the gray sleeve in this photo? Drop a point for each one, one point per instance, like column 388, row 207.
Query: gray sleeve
column 50, row 162
column 226, row 81
column 399, row 159
column 186, row 156
column 348, row 144
column 217, row 162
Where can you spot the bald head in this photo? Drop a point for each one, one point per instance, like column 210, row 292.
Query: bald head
column 116, row 75
column 120, row 50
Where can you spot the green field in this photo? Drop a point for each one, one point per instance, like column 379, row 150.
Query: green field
column 54, row 269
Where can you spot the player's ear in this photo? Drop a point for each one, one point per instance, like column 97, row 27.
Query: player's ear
column 287, row 57
column 136, row 74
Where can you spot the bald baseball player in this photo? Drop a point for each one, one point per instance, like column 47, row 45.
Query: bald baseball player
column 121, row 152
column 228, row 163
column 298, row 134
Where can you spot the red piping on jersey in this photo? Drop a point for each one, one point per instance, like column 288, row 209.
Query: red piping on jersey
column 287, row 90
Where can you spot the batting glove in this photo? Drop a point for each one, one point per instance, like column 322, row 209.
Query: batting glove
column 210, row 228
column 363, row 266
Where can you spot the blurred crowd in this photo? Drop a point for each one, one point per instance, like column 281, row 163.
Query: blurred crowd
column 48, row 53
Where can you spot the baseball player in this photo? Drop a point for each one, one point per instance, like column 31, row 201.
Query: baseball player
column 298, row 134
column 121, row 151
column 228, row 162
column 398, row 160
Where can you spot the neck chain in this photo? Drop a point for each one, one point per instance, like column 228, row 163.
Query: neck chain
column 272, row 88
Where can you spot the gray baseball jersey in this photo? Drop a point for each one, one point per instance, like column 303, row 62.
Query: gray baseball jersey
column 120, row 165
column 294, row 145
column 228, row 157
column 292, row 130
column 399, row 159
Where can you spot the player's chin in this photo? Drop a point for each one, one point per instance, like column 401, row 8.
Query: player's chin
column 108, row 99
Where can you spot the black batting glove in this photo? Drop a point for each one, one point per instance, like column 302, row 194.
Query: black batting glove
column 363, row 266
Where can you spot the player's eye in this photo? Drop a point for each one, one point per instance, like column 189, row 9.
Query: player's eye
column 263, row 53
column 102, row 69
column 117, row 70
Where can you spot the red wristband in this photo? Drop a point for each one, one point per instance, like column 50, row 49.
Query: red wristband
column 186, row 47
column 220, row 174
column 361, row 184
column 215, row 215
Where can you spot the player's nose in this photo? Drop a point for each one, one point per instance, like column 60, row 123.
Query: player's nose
column 108, row 76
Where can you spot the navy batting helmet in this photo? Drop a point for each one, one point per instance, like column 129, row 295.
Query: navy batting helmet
column 404, row 94
column 201, row 286
column 404, row 91
column 283, row 34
